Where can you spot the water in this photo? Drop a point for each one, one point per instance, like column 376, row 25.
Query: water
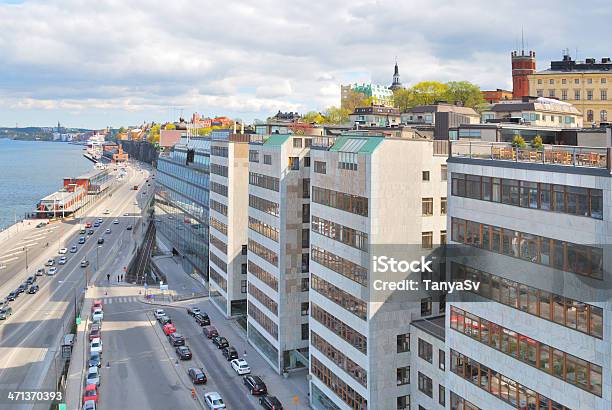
column 31, row 170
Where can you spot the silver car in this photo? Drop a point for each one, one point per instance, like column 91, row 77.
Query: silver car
column 93, row 376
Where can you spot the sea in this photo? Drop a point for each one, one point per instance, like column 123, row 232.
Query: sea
column 31, row 170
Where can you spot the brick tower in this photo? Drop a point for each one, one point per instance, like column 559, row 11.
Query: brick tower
column 522, row 65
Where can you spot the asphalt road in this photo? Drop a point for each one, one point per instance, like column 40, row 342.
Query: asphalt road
column 30, row 339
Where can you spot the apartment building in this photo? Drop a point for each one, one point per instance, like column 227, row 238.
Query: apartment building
column 278, row 242
column 533, row 232
column 370, row 196
column 428, row 369
column 229, row 176
column 181, row 201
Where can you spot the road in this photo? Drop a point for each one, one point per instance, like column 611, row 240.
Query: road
column 30, row 339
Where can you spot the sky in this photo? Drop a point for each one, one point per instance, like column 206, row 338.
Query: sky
column 112, row 63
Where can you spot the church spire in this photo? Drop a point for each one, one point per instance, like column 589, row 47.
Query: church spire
column 396, row 78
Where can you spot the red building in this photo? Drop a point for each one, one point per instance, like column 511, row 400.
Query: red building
column 522, row 65
column 495, row 96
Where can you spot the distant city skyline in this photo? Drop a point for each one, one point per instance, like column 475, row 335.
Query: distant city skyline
column 96, row 65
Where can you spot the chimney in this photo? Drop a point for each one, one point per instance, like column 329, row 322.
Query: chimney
column 242, row 127
column 234, row 127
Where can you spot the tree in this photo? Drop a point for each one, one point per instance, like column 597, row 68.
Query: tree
column 428, row 92
column 170, row 126
column 335, row 115
column 464, row 93
column 154, row 131
column 537, row 143
column 403, row 99
column 518, row 142
column 313, row 117
column 355, row 99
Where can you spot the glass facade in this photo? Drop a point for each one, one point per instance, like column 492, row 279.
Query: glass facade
column 181, row 202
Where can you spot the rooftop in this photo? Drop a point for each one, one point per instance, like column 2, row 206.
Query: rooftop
column 433, row 325
column 443, row 107
column 535, row 104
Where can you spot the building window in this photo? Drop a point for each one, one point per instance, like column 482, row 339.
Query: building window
column 427, row 206
column 403, row 343
column 589, row 94
column 563, row 96
column 307, row 161
column 443, row 172
column 305, row 262
column 540, row 93
column 243, row 268
column 253, row 156
column 576, row 94
column 427, row 240
column 443, row 206
column 340, row 359
column 589, row 115
column 425, row 175
column 306, row 188
column 425, row 351
column 551, row 81
column 539, row 81
column 426, row 306
column 305, row 284
column 243, row 286
column 340, row 233
column 403, row 402
column 603, row 81
column 304, row 331
column 403, row 375
column 304, row 308
column 267, row 159
column 603, row 115
column 340, row 200
column 425, row 385
column 441, row 359
column 294, row 163
column 297, row 143
column 443, row 237
column 551, row 93
column 576, row 81
column 305, row 238
column 589, row 81
column 441, row 395
column 305, row 213
column 244, row 249
column 604, row 95
column 563, row 81
column 320, row 167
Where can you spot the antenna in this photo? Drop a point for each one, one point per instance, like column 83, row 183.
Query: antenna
column 522, row 42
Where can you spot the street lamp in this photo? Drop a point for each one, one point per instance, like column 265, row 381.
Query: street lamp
column 25, row 248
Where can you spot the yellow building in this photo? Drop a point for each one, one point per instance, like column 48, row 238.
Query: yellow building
column 585, row 84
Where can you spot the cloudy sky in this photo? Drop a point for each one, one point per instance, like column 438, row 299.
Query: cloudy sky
column 123, row 62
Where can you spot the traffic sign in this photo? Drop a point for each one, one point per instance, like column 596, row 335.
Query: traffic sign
column 78, row 320
column 61, row 406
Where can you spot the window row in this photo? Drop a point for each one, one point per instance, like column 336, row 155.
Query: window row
column 263, row 252
column 344, row 299
column 603, row 114
column 346, row 202
column 219, row 207
column 218, row 188
column 560, row 364
column 459, row 403
column 427, row 205
column 218, row 225
column 341, row 329
column 263, row 205
column 502, row 387
column 263, row 320
column 218, row 151
column 218, row 243
column 340, row 265
column 264, row 181
column 570, row 257
column 263, row 275
column 339, row 358
column 263, row 229
column 550, row 306
column 263, row 298
column 217, row 261
column 556, row 198
column 576, row 80
column 218, row 279
column 347, row 160
column 337, row 385
column 218, row 169
column 340, row 233
column 194, row 176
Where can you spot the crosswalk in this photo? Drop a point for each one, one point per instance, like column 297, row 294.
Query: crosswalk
column 119, row 299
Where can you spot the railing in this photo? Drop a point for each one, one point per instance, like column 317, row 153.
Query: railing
column 256, row 138
column 592, row 157
column 322, row 142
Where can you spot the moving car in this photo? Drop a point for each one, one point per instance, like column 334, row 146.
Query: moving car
column 213, row 400
column 99, row 220
column 106, row 212
column 41, row 224
column 129, row 227
column 168, row 329
column 210, row 332
column 82, row 231
column 63, row 251
column 93, row 376
column 22, row 288
column 52, row 271
column 108, row 230
column 90, row 232
column 220, row 342
column 33, row 289
column 84, row 263
column 30, row 280
column 82, row 240
column 183, row 352
column 97, row 304
column 95, row 359
column 202, row 319
column 116, row 221
column 40, row 271
column 158, row 313
column 230, row 353
column 240, row 366
column 96, row 224
column 255, row 385
column 95, row 334
column 91, row 393
column 176, row 339
column 88, row 225
column 192, row 311
column 12, row 296
column 270, row 403
column 100, row 241
column 73, row 249
column 5, row 312
column 62, row 260
column 164, row 320
column 197, row 375
column 96, row 345
column 50, row 262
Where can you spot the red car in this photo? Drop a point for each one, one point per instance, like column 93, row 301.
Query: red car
column 88, row 225
column 169, row 329
column 94, row 333
column 96, row 304
column 91, row 393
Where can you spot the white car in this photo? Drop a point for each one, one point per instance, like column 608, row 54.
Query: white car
column 158, row 313
column 241, row 366
column 116, row 221
column 213, row 400
column 126, row 214
column 50, row 262
column 52, row 271
column 63, row 251
column 96, row 345
column 108, row 230
column 89, row 405
column 93, row 376
column 98, row 313
column 62, row 260
column 135, row 202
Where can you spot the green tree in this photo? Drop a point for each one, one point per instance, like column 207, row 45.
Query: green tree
column 464, row 93
column 518, row 142
column 537, row 143
column 428, row 92
column 355, row 99
column 153, row 135
column 335, row 115
column 313, row 117
column 403, row 99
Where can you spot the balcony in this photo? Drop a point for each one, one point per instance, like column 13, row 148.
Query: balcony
column 591, row 157
column 323, row 143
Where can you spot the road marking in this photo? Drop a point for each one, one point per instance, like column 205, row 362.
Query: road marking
column 7, row 260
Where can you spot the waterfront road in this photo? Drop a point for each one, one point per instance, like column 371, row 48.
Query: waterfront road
column 30, row 338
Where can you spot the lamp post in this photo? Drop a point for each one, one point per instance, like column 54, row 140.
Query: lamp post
column 25, row 248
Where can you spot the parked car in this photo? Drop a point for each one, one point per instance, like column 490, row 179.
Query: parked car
column 98, row 314
column 95, row 359
column 88, row 225
column 255, row 385
column 158, row 313
column 63, row 251
column 192, row 311
column 62, row 260
column 33, row 289
column 240, row 366
column 91, row 393
column 164, row 320
column 230, row 353
column 89, row 405
column 183, row 352
column 197, row 375
column 97, row 304
column 52, row 271
column 4, row 303
column 116, row 221
column 6, row 312
column 12, row 296
column 202, row 319
column 270, row 403
column 176, row 339
column 169, row 328
column 93, row 376
column 210, row 332
column 96, row 345
column 95, row 334
column 22, row 288
column 84, row 263
column 40, row 271
column 213, row 400
column 50, row 262
column 220, row 342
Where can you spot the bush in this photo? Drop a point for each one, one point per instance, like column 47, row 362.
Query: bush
column 537, row 143
column 518, row 142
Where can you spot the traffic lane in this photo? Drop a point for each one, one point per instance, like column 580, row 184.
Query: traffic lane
column 141, row 373
column 226, row 381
